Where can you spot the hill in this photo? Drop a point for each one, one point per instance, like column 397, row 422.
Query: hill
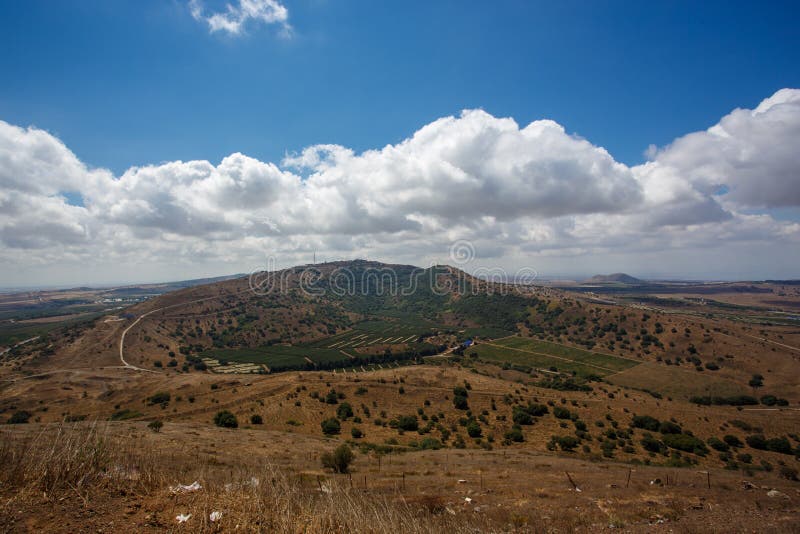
column 432, row 377
column 615, row 278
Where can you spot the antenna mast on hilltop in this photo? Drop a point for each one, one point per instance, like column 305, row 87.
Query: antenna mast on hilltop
column 315, row 257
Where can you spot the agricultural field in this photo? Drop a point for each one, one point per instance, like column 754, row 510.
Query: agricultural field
column 545, row 355
column 379, row 332
column 279, row 357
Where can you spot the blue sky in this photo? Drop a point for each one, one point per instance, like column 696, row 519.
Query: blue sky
column 170, row 139
column 132, row 82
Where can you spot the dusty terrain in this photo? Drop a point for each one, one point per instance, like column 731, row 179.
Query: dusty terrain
column 457, row 468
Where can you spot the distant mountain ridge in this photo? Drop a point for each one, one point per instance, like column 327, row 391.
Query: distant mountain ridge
column 616, row 278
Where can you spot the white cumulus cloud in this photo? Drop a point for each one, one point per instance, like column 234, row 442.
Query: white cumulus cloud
column 237, row 16
column 518, row 193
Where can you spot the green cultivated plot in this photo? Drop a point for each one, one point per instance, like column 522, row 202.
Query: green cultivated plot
column 278, row 356
column 544, row 355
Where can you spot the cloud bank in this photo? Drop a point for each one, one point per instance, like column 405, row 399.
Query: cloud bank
column 518, row 193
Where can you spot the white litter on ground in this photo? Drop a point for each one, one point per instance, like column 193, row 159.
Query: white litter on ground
column 183, row 518
column 467, row 500
column 180, row 488
column 214, row 516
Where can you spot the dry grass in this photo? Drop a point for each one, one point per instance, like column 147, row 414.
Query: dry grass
column 62, row 462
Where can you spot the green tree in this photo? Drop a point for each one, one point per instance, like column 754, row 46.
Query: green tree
column 331, row 426
column 339, row 460
column 344, row 411
column 226, row 419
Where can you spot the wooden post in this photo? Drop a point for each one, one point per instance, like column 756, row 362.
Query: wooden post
column 628, row 482
column 379, row 463
column 574, row 486
column 365, row 481
column 350, row 477
column 708, row 479
column 319, row 483
column 404, row 481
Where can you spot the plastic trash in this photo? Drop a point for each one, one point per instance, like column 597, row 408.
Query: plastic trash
column 183, row 518
column 214, row 516
column 181, row 488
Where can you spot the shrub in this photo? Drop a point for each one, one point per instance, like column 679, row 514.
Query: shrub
column 756, row 441
column 332, row 397
column 331, row 426
column 718, row 444
column 459, row 391
column 668, row 427
column 646, row 422
column 408, row 422
column 356, row 433
column 155, row 426
column 789, row 473
column 256, row 419
column 162, row 397
column 567, row 443
column 430, row 443
column 344, row 411
column 226, row 419
column 561, row 413
column 685, row 442
column 339, row 460
column 733, row 441
column 520, row 416
column 514, row 434
column 460, row 402
column 474, row 429
column 19, row 418
column 780, row 445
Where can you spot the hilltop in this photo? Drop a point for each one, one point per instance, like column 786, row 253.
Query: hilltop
column 616, row 278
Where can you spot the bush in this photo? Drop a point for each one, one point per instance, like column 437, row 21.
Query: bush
column 408, row 422
column 460, row 402
column 733, row 441
column 331, row 426
column 718, row 444
column 520, row 416
column 332, row 397
column 651, row 444
column 567, row 443
column 474, row 429
column 162, row 397
column 459, row 391
column 256, row 419
column 19, row 418
column 561, row 413
column 668, row 427
column 226, row 419
column 339, row 460
column 344, row 411
column 155, row 426
column 756, row 441
column 685, row 442
column 789, row 473
column 646, row 422
column 779, row 445
column 430, row 443
column 356, row 433
column 515, row 434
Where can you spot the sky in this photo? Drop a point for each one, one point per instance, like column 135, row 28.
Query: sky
column 172, row 139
